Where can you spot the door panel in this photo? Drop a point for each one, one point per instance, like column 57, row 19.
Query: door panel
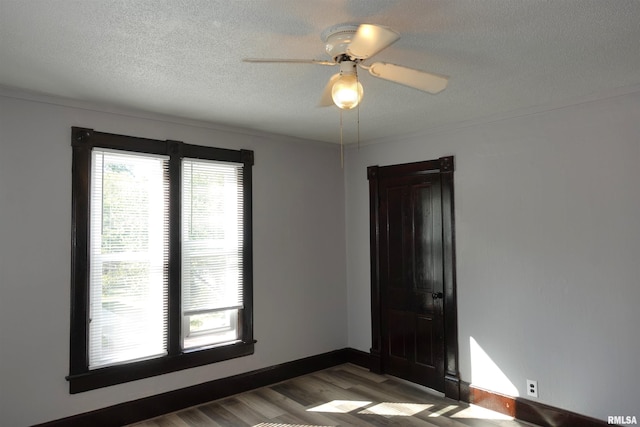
column 425, row 346
column 411, row 274
column 395, row 231
column 399, row 337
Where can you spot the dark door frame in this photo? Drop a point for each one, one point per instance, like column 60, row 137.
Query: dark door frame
column 444, row 167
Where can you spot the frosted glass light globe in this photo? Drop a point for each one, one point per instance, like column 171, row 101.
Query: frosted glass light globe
column 347, row 92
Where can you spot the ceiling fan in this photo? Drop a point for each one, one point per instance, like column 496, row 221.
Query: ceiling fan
column 350, row 46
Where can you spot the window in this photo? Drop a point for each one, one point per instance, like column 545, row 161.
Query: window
column 211, row 252
column 161, row 257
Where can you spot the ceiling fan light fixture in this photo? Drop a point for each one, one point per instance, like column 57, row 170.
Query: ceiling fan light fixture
column 348, row 45
column 347, row 91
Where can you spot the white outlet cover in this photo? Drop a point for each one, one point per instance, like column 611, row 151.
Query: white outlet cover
column 532, row 388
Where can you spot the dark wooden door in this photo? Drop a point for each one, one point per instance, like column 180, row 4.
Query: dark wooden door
column 411, row 278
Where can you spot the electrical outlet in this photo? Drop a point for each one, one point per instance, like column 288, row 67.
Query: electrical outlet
column 532, row 388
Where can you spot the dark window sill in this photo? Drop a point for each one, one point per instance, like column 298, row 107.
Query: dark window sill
column 112, row 375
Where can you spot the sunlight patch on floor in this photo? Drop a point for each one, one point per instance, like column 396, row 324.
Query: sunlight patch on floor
column 396, row 409
column 340, row 406
column 286, row 425
column 443, row 411
column 400, row 409
column 478, row 412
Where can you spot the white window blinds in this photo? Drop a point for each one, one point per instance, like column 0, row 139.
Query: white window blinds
column 212, row 223
column 129, row 257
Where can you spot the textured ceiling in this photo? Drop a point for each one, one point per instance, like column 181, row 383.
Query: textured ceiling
column 183, row 58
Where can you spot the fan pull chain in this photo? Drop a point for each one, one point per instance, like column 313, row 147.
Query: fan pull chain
column 358, row 113
column 358, row 127
column 341, row 144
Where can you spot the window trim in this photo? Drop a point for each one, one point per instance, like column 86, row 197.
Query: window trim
column 82, row 379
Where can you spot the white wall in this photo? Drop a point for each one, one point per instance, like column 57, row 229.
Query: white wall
column 548, row 251
column 299, row 255
column 548, row 247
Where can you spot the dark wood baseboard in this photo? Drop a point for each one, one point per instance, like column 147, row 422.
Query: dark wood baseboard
column 452, row 386
column 359, row 357
column 525, row 409
column 153, row 406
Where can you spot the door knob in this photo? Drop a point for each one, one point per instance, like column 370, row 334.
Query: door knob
column 437, row 295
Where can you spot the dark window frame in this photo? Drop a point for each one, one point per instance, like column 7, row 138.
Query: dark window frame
column 82, row 379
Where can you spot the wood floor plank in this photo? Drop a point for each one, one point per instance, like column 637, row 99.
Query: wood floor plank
column 297, row 393
column 243, row 411
column 362, row 372
column 195, row 418
column 328, row 376
column 260, row 405
column 294, row 408
column 290, row 420
column 318, row 391
column 345, row 395
column 353, row 420
column 170, row 420
column 219, row 413
column 354, row 379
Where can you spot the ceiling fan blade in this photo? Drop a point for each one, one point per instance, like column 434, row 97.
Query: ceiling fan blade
column 290, row 61
column 371, row 39
column 421, row 80
column 326, row 99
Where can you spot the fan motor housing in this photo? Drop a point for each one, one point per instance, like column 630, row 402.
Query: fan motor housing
column 337, row 38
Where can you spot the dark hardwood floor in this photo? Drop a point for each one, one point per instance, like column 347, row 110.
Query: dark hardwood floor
column 345, row 395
